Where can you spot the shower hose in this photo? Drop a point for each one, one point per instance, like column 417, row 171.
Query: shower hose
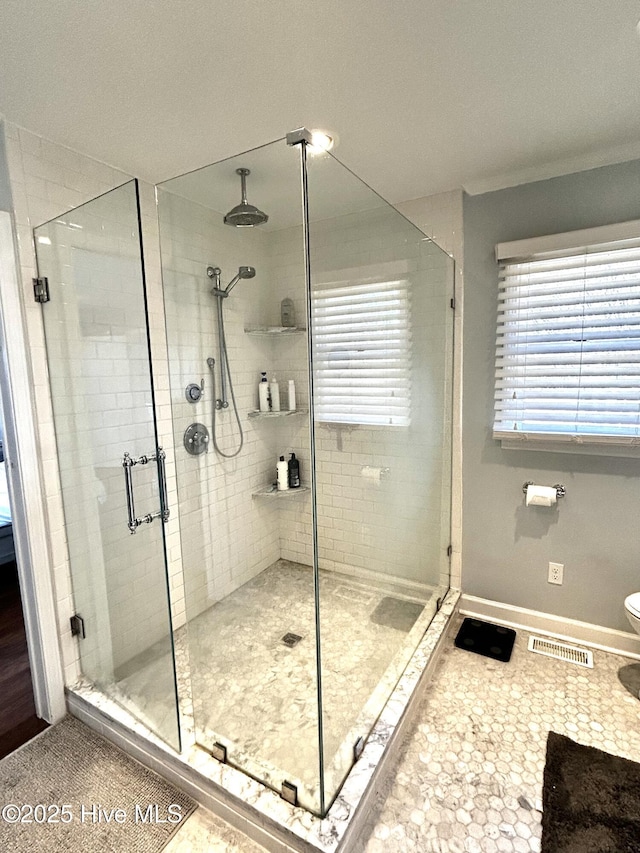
column 211, row 363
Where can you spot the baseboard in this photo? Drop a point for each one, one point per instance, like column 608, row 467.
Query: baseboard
column 594, row 636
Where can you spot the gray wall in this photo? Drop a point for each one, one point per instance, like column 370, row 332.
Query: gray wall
column 595, row 530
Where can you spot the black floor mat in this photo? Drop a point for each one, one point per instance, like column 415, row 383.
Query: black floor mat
column 397, row 613
column 492, row 641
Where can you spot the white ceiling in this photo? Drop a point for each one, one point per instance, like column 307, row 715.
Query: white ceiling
column 425, row 95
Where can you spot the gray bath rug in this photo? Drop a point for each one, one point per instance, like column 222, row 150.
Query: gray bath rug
column 590, row 800
column 70, row 789
column 396, row 613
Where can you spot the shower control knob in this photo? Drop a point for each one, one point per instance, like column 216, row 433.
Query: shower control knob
column 194, row 392
column 196, row 439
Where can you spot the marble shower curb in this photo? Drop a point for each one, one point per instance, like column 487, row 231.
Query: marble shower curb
column 252, row 807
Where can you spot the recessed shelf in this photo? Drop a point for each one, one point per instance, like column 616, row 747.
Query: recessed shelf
column 282, row 414
column 274, row 330
column 273, row 492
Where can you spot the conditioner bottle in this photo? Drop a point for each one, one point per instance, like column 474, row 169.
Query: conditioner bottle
column 294, row 472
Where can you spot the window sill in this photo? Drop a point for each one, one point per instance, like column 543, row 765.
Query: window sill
column 591, row 446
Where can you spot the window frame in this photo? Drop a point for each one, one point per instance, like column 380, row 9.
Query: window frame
column 554, row 247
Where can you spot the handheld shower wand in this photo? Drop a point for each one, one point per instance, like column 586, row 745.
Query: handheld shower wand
column 215, row 274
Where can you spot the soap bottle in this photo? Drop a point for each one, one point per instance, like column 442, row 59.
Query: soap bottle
column 287, row 312
column 282, row 475
column 294, row 472
column 274, row 389
column 263, row 392
column 292, row 395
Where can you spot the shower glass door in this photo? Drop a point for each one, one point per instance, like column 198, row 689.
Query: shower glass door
column 97, row 343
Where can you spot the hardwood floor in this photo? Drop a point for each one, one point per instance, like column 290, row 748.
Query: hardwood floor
column 18, row 721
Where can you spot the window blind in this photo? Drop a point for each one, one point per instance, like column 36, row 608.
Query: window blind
column 362, row 352
column 568, row 343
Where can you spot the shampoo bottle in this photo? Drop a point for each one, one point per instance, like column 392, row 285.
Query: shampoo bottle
column 282, row 474
column 274, row 388
column 292, row 395
column 294, row 472
column 263, row 393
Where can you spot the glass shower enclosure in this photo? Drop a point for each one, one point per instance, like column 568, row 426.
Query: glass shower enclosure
column 278, row 625
column 303, row 604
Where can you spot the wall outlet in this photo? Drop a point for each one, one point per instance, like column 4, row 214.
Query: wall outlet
column 556, row 571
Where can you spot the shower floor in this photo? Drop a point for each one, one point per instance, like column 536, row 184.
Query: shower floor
column 242, row 685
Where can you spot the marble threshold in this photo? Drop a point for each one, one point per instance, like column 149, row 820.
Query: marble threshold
column 247, row 804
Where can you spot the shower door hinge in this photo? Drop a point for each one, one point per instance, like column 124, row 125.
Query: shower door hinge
column 449, row 550
column 289, row 792
column 453, row 303
column 219, row 751
column 41, row 289
column 77, row 627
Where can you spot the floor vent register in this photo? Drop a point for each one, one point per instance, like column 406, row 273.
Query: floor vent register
column 561, row 651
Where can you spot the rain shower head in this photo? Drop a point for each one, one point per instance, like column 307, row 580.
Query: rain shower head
column 244, row 215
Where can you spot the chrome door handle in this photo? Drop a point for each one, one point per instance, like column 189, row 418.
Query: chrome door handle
column 128, row 463
column 162, row 480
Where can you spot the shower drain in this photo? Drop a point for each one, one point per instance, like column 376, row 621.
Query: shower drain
column 291, row 640
column 561, row 651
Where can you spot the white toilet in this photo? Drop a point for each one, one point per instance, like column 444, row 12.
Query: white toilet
column 632, row 609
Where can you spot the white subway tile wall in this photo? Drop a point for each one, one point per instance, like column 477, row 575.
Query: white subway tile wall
column 227, row 536
column 400, row 527
column 357, row 530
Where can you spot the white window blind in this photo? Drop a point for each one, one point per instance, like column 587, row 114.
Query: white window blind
column 568, row 338
column 361, row 353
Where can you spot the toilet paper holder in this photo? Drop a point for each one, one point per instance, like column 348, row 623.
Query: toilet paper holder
column 560, row 489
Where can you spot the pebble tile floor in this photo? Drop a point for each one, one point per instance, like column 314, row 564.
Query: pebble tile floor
column 467, row 777
column 240, row 684
column 247, row 685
